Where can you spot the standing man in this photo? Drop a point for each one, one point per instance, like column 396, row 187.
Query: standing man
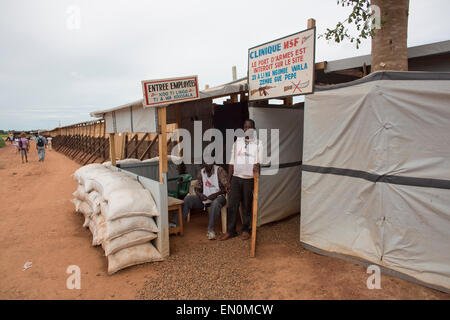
column 246, row 158
column 210, row 191
column 40, row 146
column 23, row 146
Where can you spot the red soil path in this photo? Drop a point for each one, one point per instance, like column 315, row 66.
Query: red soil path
column 38, row 224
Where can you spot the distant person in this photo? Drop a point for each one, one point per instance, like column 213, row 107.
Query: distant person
column 210, row 192
column 49, row 143
column 23, row 146
column 40, row 146
column 16, row 144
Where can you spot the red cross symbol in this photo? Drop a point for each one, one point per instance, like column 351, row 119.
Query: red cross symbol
column 296, row 86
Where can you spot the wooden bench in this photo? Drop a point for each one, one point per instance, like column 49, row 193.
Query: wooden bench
column 175, row 204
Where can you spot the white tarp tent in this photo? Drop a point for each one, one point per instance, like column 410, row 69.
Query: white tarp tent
column 279, row 193
column 376, row 174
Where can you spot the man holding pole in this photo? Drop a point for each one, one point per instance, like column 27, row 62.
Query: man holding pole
column 246, row 157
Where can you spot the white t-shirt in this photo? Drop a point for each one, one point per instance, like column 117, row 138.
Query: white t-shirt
column 210, row 184
column 244, row 155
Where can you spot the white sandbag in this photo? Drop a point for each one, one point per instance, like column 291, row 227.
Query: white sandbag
column 107, row 183
column 77, row 203
column 85, row 209
column 80, row 193
column 129, row 203
column 86, row 222
column 87, row 171
column 78, row 172
column 108, row 164
column 97, row 227
column 132, row 256
column 93, row 199
column 119, row 227
column 130, row 239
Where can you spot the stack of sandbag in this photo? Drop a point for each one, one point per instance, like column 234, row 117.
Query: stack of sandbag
column 123, row 161
column 120, row 213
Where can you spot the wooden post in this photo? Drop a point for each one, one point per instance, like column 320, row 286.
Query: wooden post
column 162, row 144
column 112, row 149
column 311, row 24
column 255, row 214
column 288, row 101
column 364, row 69
column 178, row 119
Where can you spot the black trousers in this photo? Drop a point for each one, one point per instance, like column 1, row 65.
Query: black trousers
column 240, row 190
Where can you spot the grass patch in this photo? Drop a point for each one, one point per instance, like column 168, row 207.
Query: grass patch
column 2, row 142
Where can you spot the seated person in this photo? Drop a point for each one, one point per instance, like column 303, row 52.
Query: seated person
column 210, row 191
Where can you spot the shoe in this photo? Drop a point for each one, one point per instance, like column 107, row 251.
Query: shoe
column 245, row 235
column 224, row 237
column 211, row 235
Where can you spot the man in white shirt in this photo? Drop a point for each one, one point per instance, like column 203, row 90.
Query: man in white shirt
column 246, row 158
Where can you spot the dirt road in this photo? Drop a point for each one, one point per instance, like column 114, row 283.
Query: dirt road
column 38, row 225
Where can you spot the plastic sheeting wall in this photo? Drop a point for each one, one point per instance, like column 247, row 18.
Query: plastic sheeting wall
column 376, row 176
column 135, row 118
column 279, row 194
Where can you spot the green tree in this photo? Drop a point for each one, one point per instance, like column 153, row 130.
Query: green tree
column 389, row 43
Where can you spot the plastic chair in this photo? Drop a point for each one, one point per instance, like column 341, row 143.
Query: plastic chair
column 223, row 212
column 183, row 183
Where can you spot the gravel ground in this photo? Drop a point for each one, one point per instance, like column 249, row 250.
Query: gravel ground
column 216, row 270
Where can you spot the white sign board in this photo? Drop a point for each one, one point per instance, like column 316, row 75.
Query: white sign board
column 282, row 68
column 167, row 91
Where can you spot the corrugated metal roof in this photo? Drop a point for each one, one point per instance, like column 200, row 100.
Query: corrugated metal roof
column 413, row 52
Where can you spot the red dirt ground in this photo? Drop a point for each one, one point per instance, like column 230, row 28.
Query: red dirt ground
column 38, row 224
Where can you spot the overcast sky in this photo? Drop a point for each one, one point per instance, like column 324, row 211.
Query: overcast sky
column 53, row 68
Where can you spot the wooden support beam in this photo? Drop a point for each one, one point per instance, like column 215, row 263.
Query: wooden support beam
column 255, row 214
column 162, row 123
column 178, row 119
column 139, row 143
column 122, row 145
column 95, row 152
column 311, row 24
column 288, row 101
column 148, row 148
column 112, row 149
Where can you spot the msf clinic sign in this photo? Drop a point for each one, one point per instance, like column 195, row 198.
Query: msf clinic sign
column 282, row 68
column 167, row 91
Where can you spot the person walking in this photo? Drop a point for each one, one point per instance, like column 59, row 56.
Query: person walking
column 40, row 146
column 210, row 192
column 246, row 157
column 16, row 144
column 49, row 143
column 23, row 146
